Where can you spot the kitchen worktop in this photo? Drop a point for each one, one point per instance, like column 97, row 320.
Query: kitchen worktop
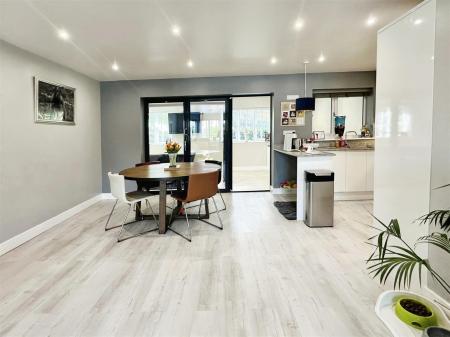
column 345, row 149
column 297, row 153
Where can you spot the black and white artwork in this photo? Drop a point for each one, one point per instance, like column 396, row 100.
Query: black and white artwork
column 54, row 103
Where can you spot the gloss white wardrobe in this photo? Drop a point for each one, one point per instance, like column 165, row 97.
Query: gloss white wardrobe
column 412, row 122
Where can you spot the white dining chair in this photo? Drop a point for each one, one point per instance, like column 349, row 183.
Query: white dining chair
column 132, row 199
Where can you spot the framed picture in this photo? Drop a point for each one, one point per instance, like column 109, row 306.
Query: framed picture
column 293, row 114
column 54, row 103
column 285, row 114
column 285, row 121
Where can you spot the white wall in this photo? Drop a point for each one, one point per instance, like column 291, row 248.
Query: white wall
column 403, row 121
column 44, row 169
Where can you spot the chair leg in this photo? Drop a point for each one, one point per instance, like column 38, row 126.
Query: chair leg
column 189, row 237
column 151, row 210
column 200, row 208
column 138, row 234
column 187, row 221
column 217, row 211
column 223, row 201
column 123, row 222
column 109, row 217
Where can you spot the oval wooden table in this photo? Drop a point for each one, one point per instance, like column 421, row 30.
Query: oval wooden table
column 161, row 173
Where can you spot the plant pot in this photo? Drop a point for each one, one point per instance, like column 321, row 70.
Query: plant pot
column 435, row 331
column 415, row 313
column 172, row 159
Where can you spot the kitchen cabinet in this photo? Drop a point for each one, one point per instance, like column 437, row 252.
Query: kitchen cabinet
column 353, row 171
column 369, row 170
column 338, row 164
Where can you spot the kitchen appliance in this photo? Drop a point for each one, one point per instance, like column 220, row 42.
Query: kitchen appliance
column 289, row 137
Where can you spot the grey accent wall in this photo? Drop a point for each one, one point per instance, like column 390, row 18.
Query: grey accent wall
column 122, row 117
column 440, row 152
column 44, row 169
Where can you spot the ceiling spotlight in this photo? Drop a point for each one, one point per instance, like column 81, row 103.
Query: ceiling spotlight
column 418, row 21
column 298, row 24
column 321, row 58
column 176, row 30
column 190, row 64
column 115, row 66
column 371, row 21
column 63, row 34
column 273, row 60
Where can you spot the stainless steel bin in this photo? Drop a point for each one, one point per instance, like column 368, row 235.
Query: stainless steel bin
column 319, row 198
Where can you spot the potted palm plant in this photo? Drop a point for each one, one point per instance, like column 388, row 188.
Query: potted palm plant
column 393, row 257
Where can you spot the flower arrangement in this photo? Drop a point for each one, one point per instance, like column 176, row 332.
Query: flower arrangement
column 172, row 147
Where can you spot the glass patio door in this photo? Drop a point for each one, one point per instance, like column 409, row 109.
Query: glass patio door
column 207, row 132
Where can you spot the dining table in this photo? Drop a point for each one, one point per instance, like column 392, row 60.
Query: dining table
column 164, row 174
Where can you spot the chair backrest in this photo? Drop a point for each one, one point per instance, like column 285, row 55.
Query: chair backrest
column 202, row 186
column 217, row 162
column 117, row 184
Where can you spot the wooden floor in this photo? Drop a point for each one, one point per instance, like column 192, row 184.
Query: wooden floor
column 261, row 276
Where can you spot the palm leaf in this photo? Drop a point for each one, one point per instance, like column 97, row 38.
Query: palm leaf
column 440, row 240
column 440, row 217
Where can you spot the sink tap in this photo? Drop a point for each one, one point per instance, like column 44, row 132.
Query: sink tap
column 356, row 134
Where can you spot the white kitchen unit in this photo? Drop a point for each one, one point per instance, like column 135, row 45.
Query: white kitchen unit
column 404, row 119
column 353, row 174
column 412, row 148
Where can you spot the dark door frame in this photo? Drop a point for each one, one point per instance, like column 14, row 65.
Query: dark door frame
column 228, row 127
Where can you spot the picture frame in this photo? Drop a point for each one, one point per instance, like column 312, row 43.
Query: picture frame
column 54, row 103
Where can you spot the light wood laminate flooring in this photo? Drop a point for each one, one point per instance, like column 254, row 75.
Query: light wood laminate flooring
column 261, row 276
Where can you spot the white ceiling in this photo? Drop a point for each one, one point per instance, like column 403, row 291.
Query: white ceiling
column 222, row 37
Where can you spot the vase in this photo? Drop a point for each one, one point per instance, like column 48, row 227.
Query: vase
column 172, row 159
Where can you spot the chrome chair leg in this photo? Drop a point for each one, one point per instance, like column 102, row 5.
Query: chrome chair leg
column 200, row 208
column 187, row 221
column 123, row 223
column 109, row 217
column 138, row 234
column 217, row 211
column 223, row 201
column 189, row 237
column 149, row 205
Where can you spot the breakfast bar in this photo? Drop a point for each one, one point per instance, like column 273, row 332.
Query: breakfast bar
column 313, row 160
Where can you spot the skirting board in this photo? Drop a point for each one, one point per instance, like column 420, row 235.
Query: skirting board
column 21, row 238
column 338, row 196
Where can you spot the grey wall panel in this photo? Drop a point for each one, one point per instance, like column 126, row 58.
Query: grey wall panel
column 45, row 169
column 122, row 129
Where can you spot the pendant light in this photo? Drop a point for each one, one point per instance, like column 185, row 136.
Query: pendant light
column 305, row 103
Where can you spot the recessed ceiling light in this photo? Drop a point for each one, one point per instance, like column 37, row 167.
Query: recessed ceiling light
column 190, row 64
column 115, row 66
column 371, row 20
column 273, row 60
column 418, row 21
column 298, row 24
column 321, row 58
column 176, row 30
column 63, row 34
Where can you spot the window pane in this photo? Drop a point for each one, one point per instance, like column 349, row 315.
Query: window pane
column 352, row 108
column 165, row 122
column 321, row 117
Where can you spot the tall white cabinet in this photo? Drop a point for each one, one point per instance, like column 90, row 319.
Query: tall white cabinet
column 410, row 58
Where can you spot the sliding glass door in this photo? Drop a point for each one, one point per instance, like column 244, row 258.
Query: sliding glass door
column 207, row 131
column 199, row 126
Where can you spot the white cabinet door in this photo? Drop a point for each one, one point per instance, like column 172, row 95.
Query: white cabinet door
column 338, row 164
column 355, row 180
column 369, row 170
